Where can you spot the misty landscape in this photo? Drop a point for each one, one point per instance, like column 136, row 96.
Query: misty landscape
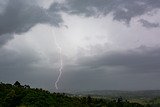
column 79, row 53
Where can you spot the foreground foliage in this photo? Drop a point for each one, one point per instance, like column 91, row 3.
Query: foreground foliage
column 23, row 96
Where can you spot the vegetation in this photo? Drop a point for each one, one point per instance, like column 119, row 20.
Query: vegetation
column 23, row 96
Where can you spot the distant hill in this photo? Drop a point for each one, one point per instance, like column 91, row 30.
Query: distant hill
column 126, row 94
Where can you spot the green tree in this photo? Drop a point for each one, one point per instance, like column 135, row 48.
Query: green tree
column 9, row 100
column 17, row 84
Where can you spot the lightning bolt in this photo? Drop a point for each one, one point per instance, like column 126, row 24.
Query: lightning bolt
column 60, row 58
column 60, row 55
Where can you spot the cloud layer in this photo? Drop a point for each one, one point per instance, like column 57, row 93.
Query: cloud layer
column 122, row 10
column 106, row 44
column 19, row 16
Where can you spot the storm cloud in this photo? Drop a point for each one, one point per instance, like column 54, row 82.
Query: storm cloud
column 122, row 10
column 19, row 16
column 147, row 24
column 106, row 44
column 142, row 59
column 126, row 70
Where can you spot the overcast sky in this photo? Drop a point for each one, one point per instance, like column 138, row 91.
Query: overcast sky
column 106, row 44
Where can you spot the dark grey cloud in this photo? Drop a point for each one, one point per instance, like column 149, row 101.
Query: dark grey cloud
column 125, row 70
column 99, row 80
column 3, row 4
column 13, row 58
column 123, row 10
column 19, row 16
column 113, row 69
column 142, row 60
column 19, row 65
column 5, row 38
column 133, row 69
column 148, row 24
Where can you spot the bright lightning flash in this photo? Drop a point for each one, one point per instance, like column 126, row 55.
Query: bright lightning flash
column 60, row 58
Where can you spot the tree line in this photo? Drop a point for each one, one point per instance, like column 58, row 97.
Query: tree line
column 17, row 95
